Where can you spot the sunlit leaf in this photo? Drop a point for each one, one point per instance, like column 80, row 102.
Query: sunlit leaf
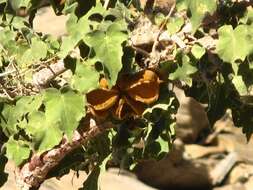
column 108, row 48
column 236, row 40
column 17, row 151
column 64, row 107
column 45, row 134
column 85, row 78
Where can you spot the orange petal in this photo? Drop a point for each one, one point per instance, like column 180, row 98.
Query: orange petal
column 102, row 99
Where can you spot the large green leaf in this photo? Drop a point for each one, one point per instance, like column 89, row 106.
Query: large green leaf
column 108, row 48
column 39, row 49
column 65, row 107
column 36, row 52
column 17, row 150
column 45, row 134
column 27, row 104
column 233, row 44
column 77, row 29
column 86, row 78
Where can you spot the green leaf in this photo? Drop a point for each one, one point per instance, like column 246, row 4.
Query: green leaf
column 184, row 70
column 198, row 51
column 233, row 44
column 3, row 175
column 108, row 48
column 18, row 22
column 8, row 120
column 159, row 18
column 91, row 183
column 3, row 1
column 86, row 78
column 182, row 5
column 68, row 44
column 7, row 40
column 39, row 49
column 16, row 4
column 104, row 162
column 27, row 104
column 199, row 9
column 174, row 25
column 163, row 144
column 17, row 151
column 45, row 134
column 77, row 29
column 248, row 18
column 240, row 85
column 65, row 107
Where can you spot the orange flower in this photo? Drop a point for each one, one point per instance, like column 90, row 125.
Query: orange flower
column 128, row 97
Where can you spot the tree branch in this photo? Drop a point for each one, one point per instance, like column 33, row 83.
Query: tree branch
column 32, row 174
column 44, row 76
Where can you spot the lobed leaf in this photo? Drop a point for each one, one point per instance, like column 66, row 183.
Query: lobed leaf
column 108, row 48
column 17, row 150
column 65, row 107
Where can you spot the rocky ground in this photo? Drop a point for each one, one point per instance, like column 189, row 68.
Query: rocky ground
column 224, row 159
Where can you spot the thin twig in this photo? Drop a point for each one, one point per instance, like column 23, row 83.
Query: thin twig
column 161, row 29
column 106, row 4
column 142, row 51
column 6, row 92
column 7, row 73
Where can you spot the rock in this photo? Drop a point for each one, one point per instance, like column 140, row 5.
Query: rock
column 237, row 186
column 242, row 172
column 175, row 172
column 191, row 118
column 195, row 151
column 116, row 179
column 249, row 184
column 48, row 23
